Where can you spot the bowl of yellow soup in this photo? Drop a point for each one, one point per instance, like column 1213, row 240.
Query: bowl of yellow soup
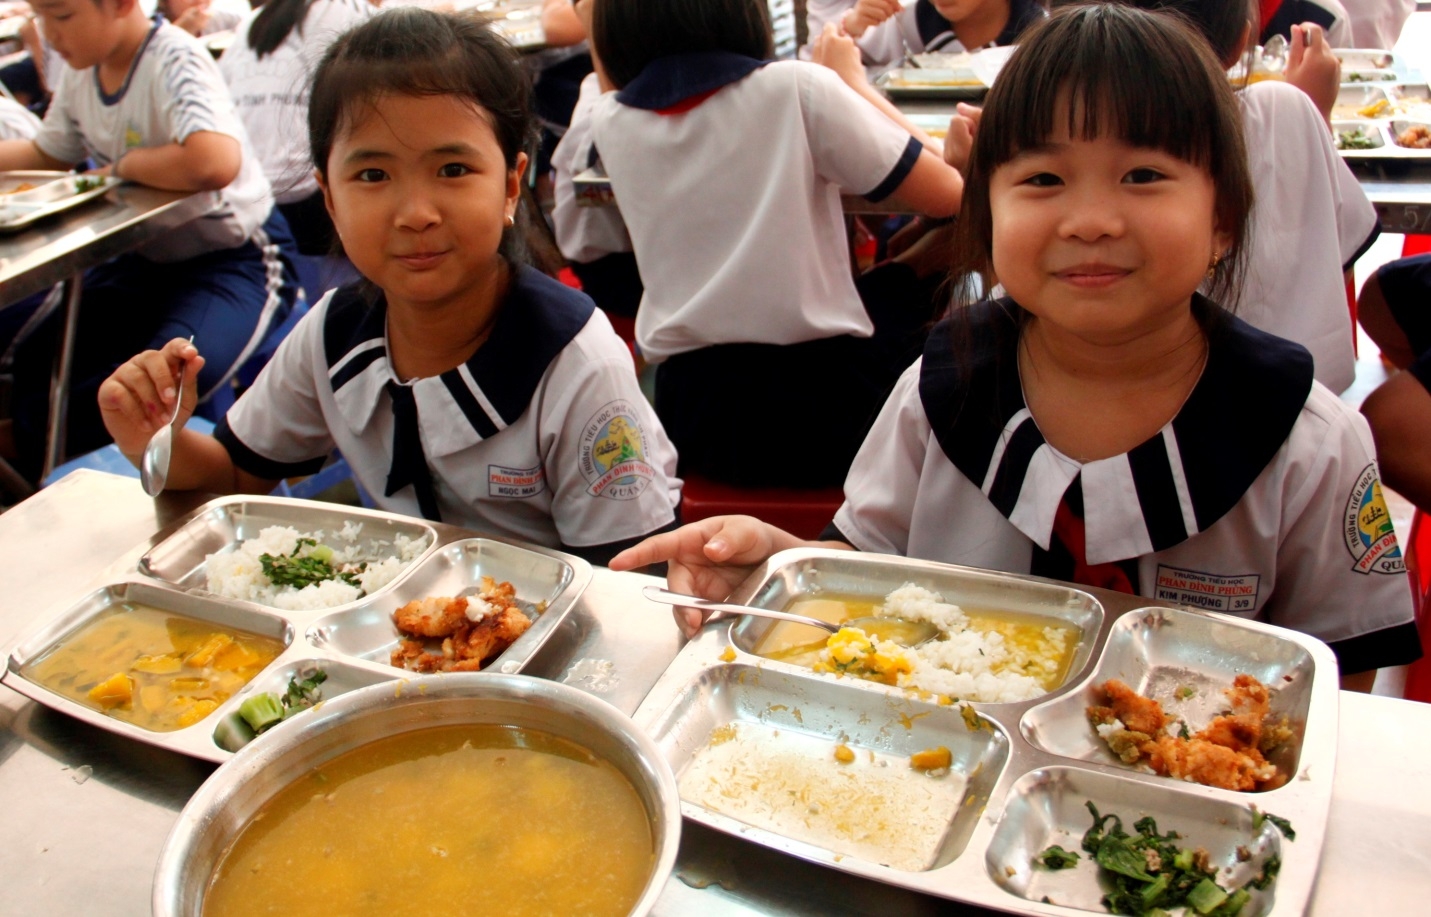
column 506, row 793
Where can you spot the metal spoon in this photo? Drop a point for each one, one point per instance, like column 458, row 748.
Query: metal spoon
column 1275, row 54
column 905, row 633
column 154, row 464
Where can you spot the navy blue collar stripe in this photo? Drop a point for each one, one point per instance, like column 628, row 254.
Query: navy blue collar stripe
column 470, row 408
column 1014, row 467
column 355, row 366
column 1157, row 489
column 969, row 405
column 668, row 81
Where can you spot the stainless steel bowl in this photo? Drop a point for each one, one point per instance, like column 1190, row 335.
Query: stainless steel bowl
column 227, row 801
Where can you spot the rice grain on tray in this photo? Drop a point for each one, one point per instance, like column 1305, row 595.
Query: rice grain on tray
column 238, row 574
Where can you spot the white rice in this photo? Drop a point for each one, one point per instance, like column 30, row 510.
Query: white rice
column 239, row 574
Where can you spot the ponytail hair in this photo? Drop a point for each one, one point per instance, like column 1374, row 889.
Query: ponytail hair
column 273, row 23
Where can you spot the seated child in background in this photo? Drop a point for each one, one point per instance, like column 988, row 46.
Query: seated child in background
column 1395, row 309
column 1087, row 427
column 145, row 102
column 594, row 240
column 886, row 31
column 1312, row 219
column 267, row 69
column 818, row 13
column 728, row 169
column 459, row 384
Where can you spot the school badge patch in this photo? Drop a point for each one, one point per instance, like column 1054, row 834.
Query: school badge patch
column 613, row 453
column 1366, row 527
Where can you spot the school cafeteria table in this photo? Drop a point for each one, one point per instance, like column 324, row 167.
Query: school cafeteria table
column 86, row 812
column 59, row 250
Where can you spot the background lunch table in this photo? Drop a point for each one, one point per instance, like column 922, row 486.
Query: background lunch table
column 59, row 250
column 86, row 812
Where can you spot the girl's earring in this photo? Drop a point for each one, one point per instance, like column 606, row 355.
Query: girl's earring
column 511, row 220
column 1212, row 265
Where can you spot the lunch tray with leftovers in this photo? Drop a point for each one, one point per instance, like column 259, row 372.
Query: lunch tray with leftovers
column 1391, row 121
column 28, row 197
column 352, row 643
column 962, row 800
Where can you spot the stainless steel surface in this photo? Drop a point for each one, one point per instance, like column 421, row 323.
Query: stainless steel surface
column 68, row 790
column 354, row 640
column 919, row 83
column 1050, row 752
column 154, row 463
column 229, row 799
column 657, row 594
column 125, row 218
column 22, row 209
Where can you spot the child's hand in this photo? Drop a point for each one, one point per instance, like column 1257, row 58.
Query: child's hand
column 707, row 558
column 193, row 20
column 959, row 142
column 138, row 399
column 868, row 13
column 1313, row 68
column 841, row 54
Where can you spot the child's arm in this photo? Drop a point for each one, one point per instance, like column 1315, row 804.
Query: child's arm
column 138, row 399
column 867, row 13
column 1313, row 68
column 840, row 53
column 26, row 154
column 205, row 161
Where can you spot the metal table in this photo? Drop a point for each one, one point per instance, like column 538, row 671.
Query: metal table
column 86, row 812
column 60, row 250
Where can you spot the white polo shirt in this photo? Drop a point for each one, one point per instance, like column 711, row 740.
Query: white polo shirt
column 173, row 90
column 1259, row 499
column 920, row 27
column 1378, row 23
column 543, row 435
column 1310, row 221
column 271, row 94
column 16, row 121
column 733, row 205
column 583, row 234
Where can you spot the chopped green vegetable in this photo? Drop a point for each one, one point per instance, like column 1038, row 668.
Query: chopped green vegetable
column 1354, row 139
column 1186, row 691
column 301, row 568
column 261, row 711
column 1269, row 873
column 1055, row 857
column 303, row 694
column 1206, row 895
column 85, row 183
column 1282, row 824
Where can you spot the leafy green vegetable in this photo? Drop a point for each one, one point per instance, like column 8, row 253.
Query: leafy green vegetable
column 1206, row 895
column 301, row 568
column 1354, row 139
column 1282, row 824
column 1269, row 872
column 303, row 694
column 266, row 710
column 261, row 711
column 1055, row 857
column 85, row 183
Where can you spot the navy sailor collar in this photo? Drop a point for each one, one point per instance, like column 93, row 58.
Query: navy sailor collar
column 932, row 26
column 469, row 403
column 1185, row 478
column 668, row 81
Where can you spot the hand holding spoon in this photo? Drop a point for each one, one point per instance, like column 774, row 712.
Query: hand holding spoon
column 154, row 464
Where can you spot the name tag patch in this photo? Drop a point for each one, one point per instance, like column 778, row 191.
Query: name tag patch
column 1208, row 591
column 515, row 482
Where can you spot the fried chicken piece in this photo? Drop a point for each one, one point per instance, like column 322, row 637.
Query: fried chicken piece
column 491, row 635
column 438, row 616
column 472, row 630
column 1210, row 764
column 1138, row 713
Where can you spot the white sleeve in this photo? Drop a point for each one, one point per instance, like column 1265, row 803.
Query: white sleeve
column 16, row 121
column 819, row 12
column 853, row 143
column 192, row 93
column 59, row 135
column 1340, row 572
column 883, row 482
column 280, row 417
column 583, row 234
column 596, row 422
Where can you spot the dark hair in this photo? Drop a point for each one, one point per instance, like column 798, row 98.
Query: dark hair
column 273, row 23
column 415, row 52
column 1221, row 22
column 1146, row 78
column 629, row 34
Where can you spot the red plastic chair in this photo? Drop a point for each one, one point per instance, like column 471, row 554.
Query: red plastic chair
column 1418, row 566
column 1415, row 244
column 803, row 513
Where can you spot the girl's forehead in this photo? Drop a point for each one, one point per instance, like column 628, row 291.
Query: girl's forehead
column 402, row 114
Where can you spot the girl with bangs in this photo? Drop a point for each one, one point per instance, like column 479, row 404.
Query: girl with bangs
column 460, row 384
column 1104, row 423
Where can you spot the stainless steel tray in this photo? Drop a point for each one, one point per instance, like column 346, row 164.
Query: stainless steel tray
column 349, row 642
column 54, row 192
column 1381, row 112
column 931, row 83
column 1030, row 766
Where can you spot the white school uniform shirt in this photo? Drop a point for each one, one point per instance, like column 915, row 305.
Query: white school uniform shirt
column 271, row 94
column 919, row 27
column 734, row 205
column 174, row 89
column 1310, row 221
column 583, row 234
column 542, row 436
column 1259, row 499
column 16, row 121
column 1378, row 23
column 817, row 14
